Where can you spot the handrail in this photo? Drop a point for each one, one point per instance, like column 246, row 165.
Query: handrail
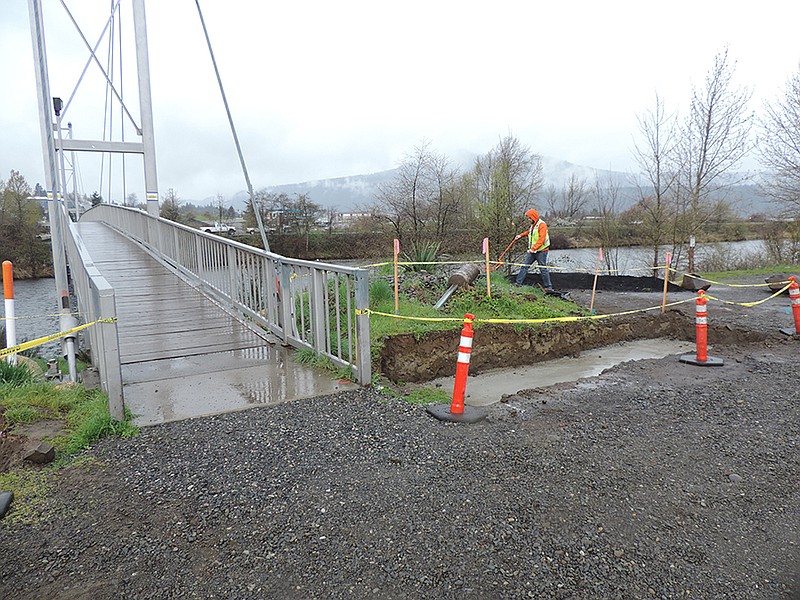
column 96, row 302
column 307, row 304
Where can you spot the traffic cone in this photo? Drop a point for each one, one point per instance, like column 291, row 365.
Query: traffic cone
column 457, row 412
column 794, row 296
column 701, row 358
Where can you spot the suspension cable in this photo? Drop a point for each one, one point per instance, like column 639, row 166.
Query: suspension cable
column 256, row 209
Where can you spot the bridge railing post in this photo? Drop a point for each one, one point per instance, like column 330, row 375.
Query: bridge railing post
column 362, row 333
column 112, row 367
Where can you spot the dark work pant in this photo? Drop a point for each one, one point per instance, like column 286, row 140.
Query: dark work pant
column 541, row 260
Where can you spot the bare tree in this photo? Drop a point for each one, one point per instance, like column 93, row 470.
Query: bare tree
column 606, row 195
column 575, row 197
column 780, row 148
column 421, row 202
column 506, row 181
column 219, row 202
column 656, row 157
column 712, row 142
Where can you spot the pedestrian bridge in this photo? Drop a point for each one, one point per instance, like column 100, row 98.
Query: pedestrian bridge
column 198, row 324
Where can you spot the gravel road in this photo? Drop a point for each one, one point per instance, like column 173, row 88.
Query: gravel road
column 656, row 479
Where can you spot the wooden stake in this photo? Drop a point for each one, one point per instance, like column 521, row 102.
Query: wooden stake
column 488, row 279
column 594, row 285
column 396, row 282
column 668, row 259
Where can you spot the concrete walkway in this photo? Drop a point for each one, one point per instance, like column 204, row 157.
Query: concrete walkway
column 183, row 355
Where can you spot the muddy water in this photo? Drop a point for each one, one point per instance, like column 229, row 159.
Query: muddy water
column 490, row 386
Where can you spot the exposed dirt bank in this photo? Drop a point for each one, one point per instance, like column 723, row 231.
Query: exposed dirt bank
column 409, row 360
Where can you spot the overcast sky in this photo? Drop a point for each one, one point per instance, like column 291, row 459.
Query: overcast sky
column 322, row 89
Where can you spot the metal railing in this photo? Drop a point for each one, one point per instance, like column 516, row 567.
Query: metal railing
column 309, row 305
column 96, row 302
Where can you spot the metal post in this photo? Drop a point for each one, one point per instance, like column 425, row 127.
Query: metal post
column 48, row 144
column 112, row 368
column 146, row 107
column 74, row 178
column 319, row 311
column 363, row 358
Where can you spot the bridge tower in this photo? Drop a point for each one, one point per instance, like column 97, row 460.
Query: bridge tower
column 53, row 143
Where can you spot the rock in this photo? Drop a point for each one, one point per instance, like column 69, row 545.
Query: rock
column 90, row 378
column 5, row 502
column 42, row 454
column 735, row 478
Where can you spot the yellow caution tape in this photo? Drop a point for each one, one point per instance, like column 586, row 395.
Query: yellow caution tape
column 530, row 321
column 741, row 285
column 49, row 338
column 756, row 303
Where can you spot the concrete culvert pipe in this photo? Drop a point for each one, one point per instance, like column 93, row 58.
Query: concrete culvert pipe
column 464, row 275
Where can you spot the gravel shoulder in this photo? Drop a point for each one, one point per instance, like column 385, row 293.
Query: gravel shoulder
column 655, row 479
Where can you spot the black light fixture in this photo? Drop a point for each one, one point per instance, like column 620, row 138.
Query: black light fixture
column 57, row 106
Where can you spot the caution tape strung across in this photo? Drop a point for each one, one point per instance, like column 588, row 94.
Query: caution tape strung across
column 755, row 303
column 569, row 319
column 49, row 338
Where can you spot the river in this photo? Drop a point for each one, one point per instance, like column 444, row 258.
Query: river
column 635, row 260
column 36, row 308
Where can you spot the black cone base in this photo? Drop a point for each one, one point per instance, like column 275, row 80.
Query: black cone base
column 789, row 331
column 470, row 414
column 710, row 361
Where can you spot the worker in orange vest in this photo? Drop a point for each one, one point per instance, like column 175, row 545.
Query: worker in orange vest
column 538, row 246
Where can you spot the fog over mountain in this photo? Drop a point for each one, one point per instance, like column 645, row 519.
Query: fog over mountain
column 351, row 193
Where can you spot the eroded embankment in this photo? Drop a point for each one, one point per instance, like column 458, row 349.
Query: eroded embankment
column 409, row 360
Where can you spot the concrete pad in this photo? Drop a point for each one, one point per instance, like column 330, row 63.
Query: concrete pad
column 224, row 384
column 490, row 386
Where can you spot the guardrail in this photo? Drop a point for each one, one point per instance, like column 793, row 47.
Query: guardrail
column 97, row 302
column 308, row 305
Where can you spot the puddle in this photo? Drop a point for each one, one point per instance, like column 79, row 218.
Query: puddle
column 488, row 387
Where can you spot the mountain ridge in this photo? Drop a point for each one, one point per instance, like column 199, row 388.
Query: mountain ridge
column 350, row 193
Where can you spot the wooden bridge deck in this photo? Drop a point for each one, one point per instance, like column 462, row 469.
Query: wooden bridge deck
column 182, row 354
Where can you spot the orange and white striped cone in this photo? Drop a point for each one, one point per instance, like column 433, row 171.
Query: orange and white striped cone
column 457, row 412
column 701, row 358
column 794, row 297
column 10, row 317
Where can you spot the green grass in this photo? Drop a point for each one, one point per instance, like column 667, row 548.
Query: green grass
column 84, row 412
column 86, row 420
column 507, row 302
column 428, row 395
column 725, row 275
column 14, row 374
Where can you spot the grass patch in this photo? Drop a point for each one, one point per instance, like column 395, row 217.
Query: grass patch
column 85, row 412
column 14, row 374
column 727, row 275
column 427, row 395
column 86, row 418
column 507, row 302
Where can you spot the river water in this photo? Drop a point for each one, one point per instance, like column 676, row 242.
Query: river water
column 36, row 309
column 635, row 260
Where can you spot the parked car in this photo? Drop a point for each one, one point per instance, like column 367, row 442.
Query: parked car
column 219, row 228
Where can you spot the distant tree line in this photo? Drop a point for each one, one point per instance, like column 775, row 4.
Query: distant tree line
column 688, row 166
column 21, row 229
